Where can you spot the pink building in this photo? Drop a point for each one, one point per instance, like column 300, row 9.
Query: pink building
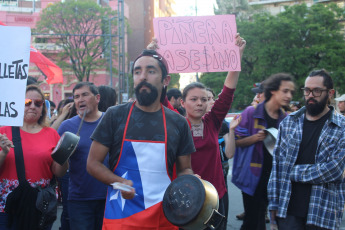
column 26, row 13
column 138, row 13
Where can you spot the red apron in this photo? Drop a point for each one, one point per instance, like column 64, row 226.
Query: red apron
column 145, row 163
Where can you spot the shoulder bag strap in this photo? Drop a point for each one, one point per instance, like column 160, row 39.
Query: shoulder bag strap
column 18, row 154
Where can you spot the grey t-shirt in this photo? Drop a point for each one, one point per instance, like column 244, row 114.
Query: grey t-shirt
column 144, row 126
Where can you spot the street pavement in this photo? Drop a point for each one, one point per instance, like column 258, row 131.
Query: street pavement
column 235, row 207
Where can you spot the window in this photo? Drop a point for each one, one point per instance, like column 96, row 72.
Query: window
column 68, row 95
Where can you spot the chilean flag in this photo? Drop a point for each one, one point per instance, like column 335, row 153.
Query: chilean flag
column 145, row 164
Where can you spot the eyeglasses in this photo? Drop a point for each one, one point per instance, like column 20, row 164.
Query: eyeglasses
column 316, row 92
column 37, row 102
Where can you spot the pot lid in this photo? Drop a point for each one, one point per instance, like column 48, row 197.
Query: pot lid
column 270, row 139
column 183, row 199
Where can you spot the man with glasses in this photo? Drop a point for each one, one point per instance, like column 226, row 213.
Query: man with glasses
column 306, row 189
column 252, row 162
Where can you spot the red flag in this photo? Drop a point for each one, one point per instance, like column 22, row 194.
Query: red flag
column 52, row 72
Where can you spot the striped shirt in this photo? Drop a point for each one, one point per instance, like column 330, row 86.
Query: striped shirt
column 327, row 198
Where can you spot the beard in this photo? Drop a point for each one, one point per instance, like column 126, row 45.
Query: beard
column 317, row 107
column 146, row 98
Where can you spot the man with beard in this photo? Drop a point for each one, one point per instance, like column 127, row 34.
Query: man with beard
column 306, row 189
column 144, row 140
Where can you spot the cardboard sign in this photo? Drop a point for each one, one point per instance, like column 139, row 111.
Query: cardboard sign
column 14, row 69
column 198, row 43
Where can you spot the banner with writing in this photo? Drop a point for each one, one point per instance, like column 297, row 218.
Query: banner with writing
column 198, row 43
column 14, row 69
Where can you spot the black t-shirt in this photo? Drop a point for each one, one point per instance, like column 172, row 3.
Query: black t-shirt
column 224, row 129
column 261, row 189
column 144, row 126
column 267, row 166
column 300, row 193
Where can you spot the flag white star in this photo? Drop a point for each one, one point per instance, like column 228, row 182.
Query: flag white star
column 116, row 194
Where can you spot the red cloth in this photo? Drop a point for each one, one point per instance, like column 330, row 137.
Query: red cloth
column 206, row 160
column 37, row 149
column 52, row 72
column 147, row 220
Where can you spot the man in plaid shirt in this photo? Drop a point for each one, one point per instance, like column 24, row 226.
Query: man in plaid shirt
column 306, row 189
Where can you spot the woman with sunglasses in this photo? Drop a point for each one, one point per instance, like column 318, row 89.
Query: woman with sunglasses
column 38, row 140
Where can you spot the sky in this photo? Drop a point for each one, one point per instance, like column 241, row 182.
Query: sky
column 187, row 7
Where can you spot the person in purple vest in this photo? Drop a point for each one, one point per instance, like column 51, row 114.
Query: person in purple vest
column 252, row 162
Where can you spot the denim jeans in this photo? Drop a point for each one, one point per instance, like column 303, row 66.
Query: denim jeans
column 86, row 215
column 63, row 182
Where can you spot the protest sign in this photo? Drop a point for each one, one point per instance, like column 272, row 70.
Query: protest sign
column 14, row 69
column 198, row 43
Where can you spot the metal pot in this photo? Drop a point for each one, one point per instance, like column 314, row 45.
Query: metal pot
column 67, row 144
column 192, row 203
column 65, row 147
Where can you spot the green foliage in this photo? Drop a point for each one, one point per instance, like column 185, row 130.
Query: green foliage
column 79, row 19
column 175, row 81
column 240, row 8
column 215, row 82
column 296, row 41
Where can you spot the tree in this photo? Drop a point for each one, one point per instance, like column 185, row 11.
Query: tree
column 175, row 81
column 240, row 8
column 78, row 26
column 296, row 41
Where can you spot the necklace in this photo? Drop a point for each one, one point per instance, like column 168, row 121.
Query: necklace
column 198, row 130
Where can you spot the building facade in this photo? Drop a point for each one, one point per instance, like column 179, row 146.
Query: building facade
column 277, row 6
column 138, row 14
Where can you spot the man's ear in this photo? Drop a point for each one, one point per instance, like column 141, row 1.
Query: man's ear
column 98, row 98
column 166, row 80
column 182, row 103
column 331, row 93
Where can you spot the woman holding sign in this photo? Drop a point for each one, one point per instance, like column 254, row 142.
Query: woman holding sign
column 205, row 127
column 37, row 142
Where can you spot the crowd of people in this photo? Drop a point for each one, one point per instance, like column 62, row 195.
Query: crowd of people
column 146, row 143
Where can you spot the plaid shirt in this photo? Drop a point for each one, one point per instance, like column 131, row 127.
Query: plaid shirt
column 327, row 197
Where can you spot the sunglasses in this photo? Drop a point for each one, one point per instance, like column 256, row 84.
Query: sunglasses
column 38, row 102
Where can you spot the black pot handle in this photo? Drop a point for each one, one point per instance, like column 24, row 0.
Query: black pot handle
column 215, row 220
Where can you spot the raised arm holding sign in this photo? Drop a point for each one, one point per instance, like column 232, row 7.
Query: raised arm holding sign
column 198, row 43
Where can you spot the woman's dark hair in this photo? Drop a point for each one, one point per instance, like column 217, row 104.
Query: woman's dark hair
column 73, row 110
column 210, row 90
column 108, row 97
column 191, row 86
column 42, row 120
